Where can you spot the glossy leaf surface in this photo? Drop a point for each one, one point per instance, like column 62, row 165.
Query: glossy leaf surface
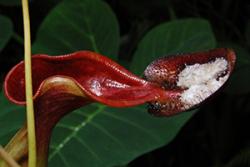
column 100, row 136
column 78, row 25
column 171, row 38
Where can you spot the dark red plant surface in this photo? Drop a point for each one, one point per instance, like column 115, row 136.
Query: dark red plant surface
column 165, row 71
column 99, row 78
column 64, row 83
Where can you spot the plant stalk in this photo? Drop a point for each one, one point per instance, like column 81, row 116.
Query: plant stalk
column 7, row 158
column 28, row 87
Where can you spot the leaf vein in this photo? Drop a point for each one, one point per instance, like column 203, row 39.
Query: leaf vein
column 135, row 125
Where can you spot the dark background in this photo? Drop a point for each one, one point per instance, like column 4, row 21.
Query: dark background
column 219, row 134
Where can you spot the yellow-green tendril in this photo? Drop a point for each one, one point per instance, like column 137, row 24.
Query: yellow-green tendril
column 28, row 87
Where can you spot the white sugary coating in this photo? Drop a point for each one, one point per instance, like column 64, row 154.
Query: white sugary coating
column 201, row 80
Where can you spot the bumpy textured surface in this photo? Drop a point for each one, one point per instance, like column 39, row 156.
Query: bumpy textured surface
column 64, row 83
column 192, row 77
column 91, row 77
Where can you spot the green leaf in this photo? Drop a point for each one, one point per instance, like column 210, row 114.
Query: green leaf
column 175, row 37
column 239, row 82
column 11, row 119
column 10, row 2
column 79, row 25
column 100, row 136
column 97, row 135
column 6, row 30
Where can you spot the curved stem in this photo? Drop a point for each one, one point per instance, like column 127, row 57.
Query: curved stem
column 28, row 87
